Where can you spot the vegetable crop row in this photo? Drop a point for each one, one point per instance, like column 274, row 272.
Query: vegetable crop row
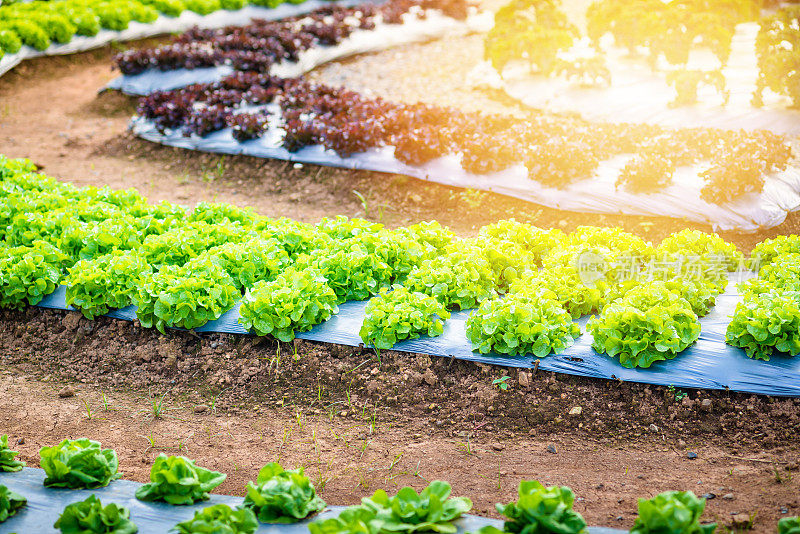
column 288, row 496
column 185, row 267
column 41, row 24
column 260, row 45
column 672, row 30
column 556, row 150
column 538, row 33
column 778, row 50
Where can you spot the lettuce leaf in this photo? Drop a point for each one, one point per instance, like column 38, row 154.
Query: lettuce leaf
column 7, row 461
column 79, row 464
column 177, row 480
column 359, row 519
column 431, row 510
column 540, row 510
column 789, row 525
column 10, row 502
column 219, row 519
column 521, row 323
column 672, row 512
column 401, row 314
column 91, row 517
column 280, row 496
column 650, row 323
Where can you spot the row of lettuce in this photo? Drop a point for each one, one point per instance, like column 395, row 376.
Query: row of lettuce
column 280, row 496
column 540, row 34
column 185, row 267
column 41, row 24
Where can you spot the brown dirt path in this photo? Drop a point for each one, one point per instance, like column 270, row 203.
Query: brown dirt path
column 348, row 462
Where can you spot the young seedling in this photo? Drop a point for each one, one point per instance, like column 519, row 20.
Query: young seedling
column 395, row 460
column 151, row 440
column 678, row 395
column 87, row 409
column 158, row 406
column 466, row 446
column 213, row 403
column 501, row 383
column 220, row 168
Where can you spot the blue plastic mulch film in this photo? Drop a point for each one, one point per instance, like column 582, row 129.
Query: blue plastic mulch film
column 708, row 364
column 45, row 506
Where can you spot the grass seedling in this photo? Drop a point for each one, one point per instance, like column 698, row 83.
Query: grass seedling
column 395, row 460
column 365, row 205
column 742, row 526
column 106, row 403
column 213, row 403
column 158, row 406
column 418, row 472
column 372, row 423
column 466, row 446
column 151, row 440
column 780, row 478
column 365, row 445
column 87, row 409
column 357, row 367
column 320, row 483
column 275, row 361
column 362, row 480
column 364, row 202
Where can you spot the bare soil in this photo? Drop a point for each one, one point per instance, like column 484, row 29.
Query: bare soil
column 357, row 423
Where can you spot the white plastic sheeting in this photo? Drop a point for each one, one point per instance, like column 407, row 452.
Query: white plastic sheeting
column 383, row 36
column 637, row 94
column 165, row 25
column 597, row 194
